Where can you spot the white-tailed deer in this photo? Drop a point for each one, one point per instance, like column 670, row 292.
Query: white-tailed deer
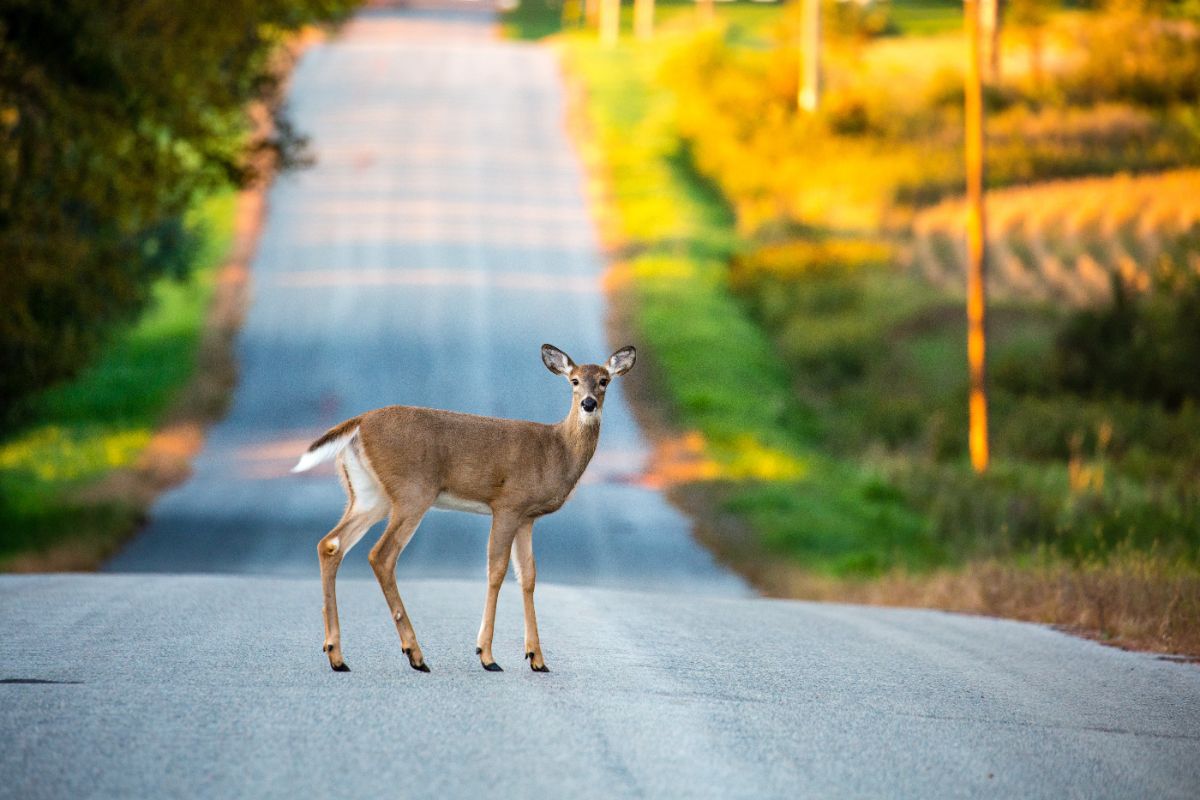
column 399, row 461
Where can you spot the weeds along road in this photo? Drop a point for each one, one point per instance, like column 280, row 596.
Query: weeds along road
column 439, row 240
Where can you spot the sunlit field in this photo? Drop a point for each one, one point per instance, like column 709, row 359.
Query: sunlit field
column 1065, row 240
column 799, row 283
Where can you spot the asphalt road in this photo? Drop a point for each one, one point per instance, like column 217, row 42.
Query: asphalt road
column 440, row 239
column 215, row 686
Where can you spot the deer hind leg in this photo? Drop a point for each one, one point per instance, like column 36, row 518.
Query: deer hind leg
column 500, row 542
column 362, row 511
column 400, row 529
column 522, row 558
column 364, row 507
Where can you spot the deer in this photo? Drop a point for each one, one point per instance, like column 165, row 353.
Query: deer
column 400, row 461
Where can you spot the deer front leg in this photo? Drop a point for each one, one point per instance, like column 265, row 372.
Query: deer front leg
column 383, row 558
column 526, row 567
column 500, row 541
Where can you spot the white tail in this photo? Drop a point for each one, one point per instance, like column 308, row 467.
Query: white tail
column 400, row 461
column 322, row 451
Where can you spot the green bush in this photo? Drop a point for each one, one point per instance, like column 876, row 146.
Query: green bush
column 1141, row 345
column 114, row 118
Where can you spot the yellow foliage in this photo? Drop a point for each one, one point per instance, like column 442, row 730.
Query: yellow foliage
column 749, row 459
column 53, row 454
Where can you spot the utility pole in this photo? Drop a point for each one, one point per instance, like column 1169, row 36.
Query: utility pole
column 643, row 19
column 707, row 9
column 810, row 56
column 610, row 22
column 976, row 242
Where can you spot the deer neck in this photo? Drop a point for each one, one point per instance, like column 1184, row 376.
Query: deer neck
column 580, row 436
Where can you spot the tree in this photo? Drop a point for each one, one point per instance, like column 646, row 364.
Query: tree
column 114, row 117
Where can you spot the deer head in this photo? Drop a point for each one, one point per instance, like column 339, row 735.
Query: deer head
column 589, row 382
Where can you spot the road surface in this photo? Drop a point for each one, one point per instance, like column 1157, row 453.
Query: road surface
column 215, row 686
column 440, row 239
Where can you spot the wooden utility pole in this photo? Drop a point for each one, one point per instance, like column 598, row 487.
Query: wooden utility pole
column 976, row 242
column 610, row 22
column 643, row 19
column 810, row 57
column 707, row 10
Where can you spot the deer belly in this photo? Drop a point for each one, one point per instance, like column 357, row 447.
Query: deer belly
column 450, row 502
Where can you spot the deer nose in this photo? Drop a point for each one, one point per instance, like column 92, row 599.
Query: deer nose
column 589, row 404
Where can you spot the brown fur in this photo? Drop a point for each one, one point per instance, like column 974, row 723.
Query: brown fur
column 408, row 458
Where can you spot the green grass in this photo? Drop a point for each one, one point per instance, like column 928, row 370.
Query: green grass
column 533, row 19
column 723, row 375
column 926, row 17
column 103, row 419
column 834, row 402
column 830, row 392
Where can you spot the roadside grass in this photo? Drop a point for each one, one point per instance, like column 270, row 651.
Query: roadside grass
column 102, row 421
column 926, row 17
column 828, row 392
column 723, row 375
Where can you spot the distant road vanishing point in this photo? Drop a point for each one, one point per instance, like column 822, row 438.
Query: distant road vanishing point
column 440, row 239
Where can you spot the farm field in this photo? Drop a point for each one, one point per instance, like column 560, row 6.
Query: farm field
column 1064, row 240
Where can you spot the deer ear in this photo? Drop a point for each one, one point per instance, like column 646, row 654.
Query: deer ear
column 556, row 360
column 621, row 361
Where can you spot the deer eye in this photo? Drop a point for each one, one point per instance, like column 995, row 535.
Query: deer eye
column 604, row 381
column 574, row 381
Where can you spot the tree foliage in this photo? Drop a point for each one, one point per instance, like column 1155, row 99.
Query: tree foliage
column 114, row 116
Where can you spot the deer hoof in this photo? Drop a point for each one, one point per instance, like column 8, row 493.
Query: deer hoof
column 492, row 667
column 340, row 667
column 419, row 666
column 534, row 667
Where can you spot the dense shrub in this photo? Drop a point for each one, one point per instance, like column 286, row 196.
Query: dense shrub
column 113, row 118
column 1142, row 345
